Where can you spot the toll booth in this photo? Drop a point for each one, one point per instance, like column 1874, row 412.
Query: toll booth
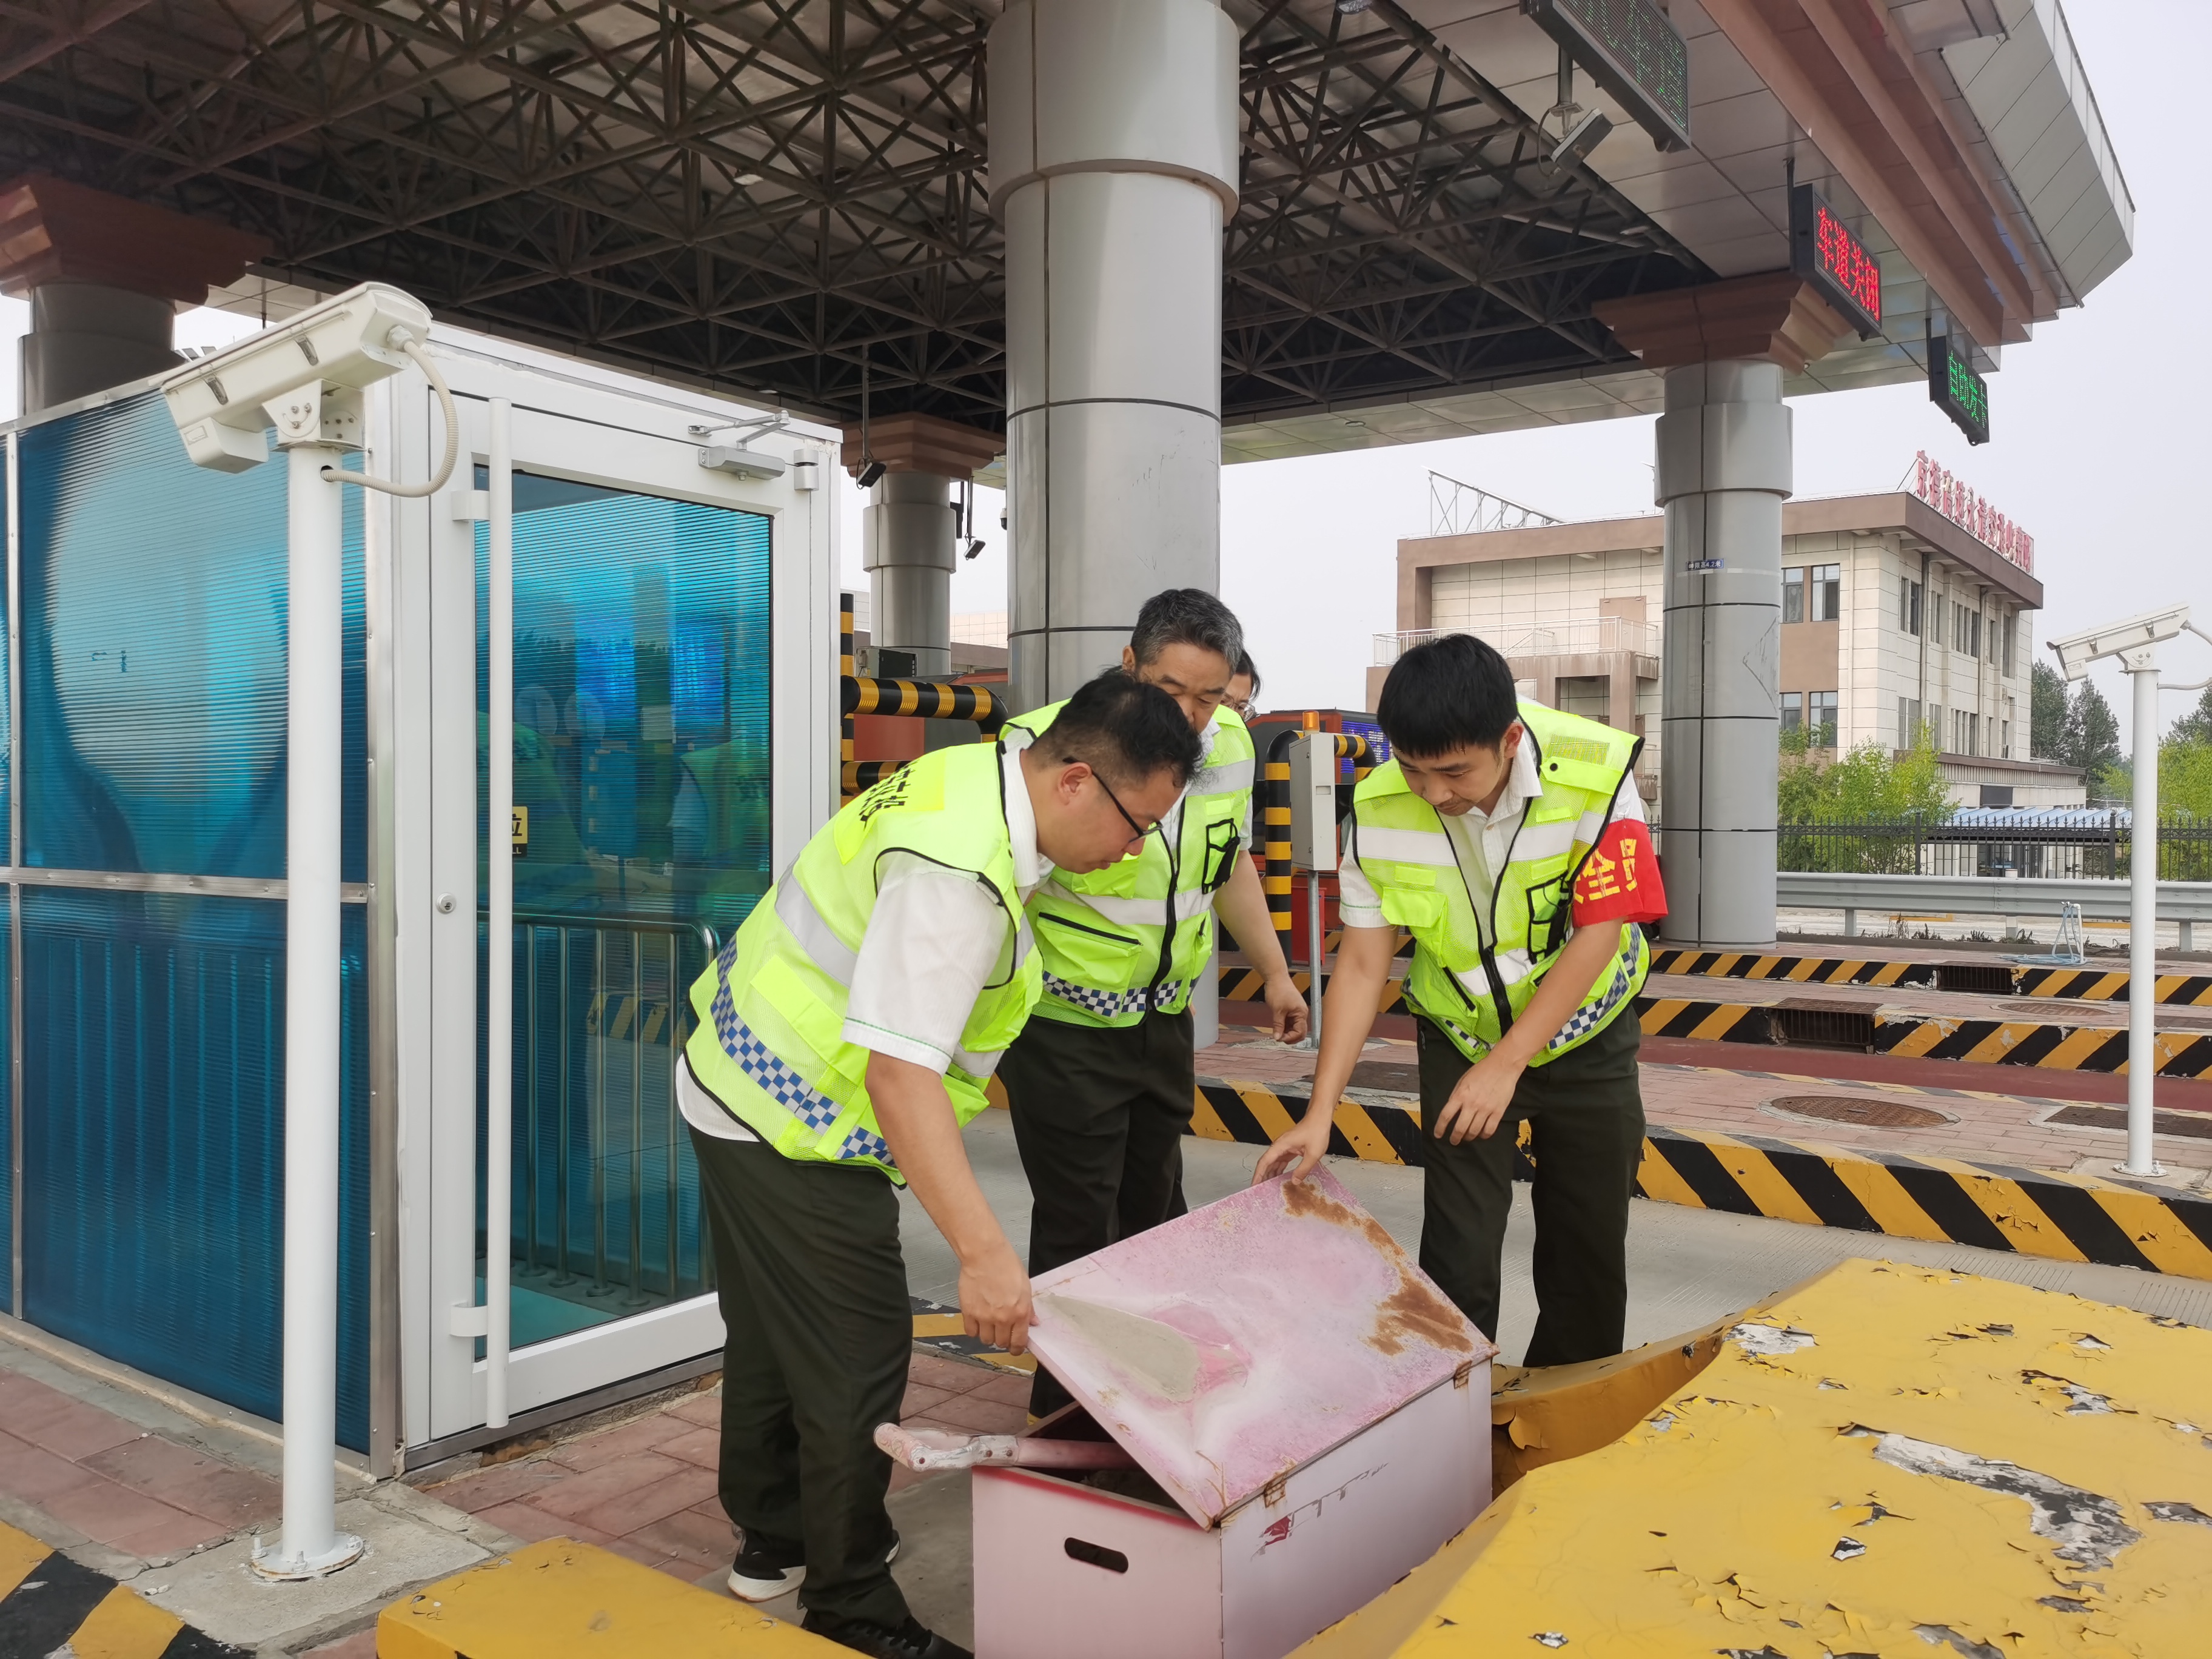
column 675, row 625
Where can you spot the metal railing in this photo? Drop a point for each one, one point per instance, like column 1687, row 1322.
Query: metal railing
column 2188, row 901
column 1583, row 635
column 2094, row 847
column 606, row 1213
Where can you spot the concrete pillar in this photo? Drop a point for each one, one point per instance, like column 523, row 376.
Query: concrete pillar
column 1723, row 473
column 104, row 276
column 907, row 542
column 906, row 547
column 87, row 337
column 1113, row 151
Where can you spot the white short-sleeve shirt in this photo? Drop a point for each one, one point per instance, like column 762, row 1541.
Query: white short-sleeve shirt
column 934, row 940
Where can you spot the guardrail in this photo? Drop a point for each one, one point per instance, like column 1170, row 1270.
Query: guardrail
column 2185, row 902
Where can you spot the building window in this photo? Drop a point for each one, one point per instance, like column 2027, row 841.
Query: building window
column 2007, row 739
column 1974, row 634
column 1965, row 732
column 2011, row 630
column 1793, row 711
column 1793, row 594
column 1820, row 720
column 1908, row 722
column 1827, row 592
column 1908, row 604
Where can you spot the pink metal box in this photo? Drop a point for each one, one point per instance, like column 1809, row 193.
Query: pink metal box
column 1315, row 1410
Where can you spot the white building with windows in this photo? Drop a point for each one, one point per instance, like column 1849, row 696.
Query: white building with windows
column 1899, row 611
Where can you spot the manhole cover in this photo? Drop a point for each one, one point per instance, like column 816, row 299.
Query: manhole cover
column 2195, row 1125
column 1859, row 1110
column 2071, row 1010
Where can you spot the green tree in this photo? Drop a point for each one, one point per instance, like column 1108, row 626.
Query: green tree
column 2091, row 739
column 2046, row 706
column 2185, row 776
column 1889, row 792
column 2195, row 726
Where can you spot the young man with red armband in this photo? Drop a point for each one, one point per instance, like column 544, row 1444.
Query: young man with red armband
column 1510, row 840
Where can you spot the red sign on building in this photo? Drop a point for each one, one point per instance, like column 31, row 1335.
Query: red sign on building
column 1942, row 490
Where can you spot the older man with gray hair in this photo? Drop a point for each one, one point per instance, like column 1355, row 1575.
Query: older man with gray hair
column 1100, row 1080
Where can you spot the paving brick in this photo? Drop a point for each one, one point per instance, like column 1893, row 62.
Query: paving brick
column 530, row 1523
column 589, row 1451
column 200, row 1485
column 979, row 1416
column 643, row 1505
column 175, row 1536
column 361, row 1645
column 955, row 1377
column 1005, row 1388
column 694, row 1537
column 700, row 1446
column 53, row 1421
column 579, row 1495
column 478, row 1491
column 919, row 1398
column 704, row 1409
column 101, row 1509
column 675, row 1566
column 34, row 1474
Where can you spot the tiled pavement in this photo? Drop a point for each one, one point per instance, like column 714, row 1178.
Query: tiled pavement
column 118, row 1485
column 645, row 1487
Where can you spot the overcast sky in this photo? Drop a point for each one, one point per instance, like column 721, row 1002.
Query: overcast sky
column 2095, row 449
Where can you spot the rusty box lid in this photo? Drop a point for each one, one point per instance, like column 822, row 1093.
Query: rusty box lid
column 1231, row 1346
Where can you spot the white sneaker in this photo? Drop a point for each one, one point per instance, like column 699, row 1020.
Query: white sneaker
column 759, row 1575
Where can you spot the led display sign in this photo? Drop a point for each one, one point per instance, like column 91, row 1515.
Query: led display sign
column 1825, row 252
column 1955, row 387
column 1629, row 48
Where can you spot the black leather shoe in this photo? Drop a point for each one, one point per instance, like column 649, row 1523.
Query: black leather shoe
column 912, row 1640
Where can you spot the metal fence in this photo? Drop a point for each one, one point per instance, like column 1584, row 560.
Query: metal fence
column 2084, row 850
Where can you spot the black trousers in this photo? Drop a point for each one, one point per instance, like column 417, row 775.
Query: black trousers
column 1099, row 1116
column 813, row 1293
column 1585, row 1116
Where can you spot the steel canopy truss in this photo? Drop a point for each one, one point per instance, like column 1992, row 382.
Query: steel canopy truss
column 786, row 196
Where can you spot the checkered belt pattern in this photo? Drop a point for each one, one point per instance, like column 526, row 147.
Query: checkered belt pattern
column 1587, row 1017
column 1111, row 1004
column 777, row 1080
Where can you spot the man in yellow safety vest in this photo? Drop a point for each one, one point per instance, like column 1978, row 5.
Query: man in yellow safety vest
column 845, row 1035
column 1509, row 839
column 1101, row 1082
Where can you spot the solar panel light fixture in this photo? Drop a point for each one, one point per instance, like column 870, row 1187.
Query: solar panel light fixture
column 224, row 404
column 2123, row 638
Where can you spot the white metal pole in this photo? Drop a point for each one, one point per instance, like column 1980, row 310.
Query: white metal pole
column 2142, row 920
column 499, row 989
column 311, row 1544
column 1316, row 954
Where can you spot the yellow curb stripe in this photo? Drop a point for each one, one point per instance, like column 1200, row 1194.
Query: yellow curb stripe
column 1656, row 1178
column 1924, row 1036
column 1205, row 1123
column 20, row 1555
column 124, row 1626
column 1893, row 1208
column 1269, row 1112
column 1762, row 1182
column 1719, row 1022
column 1369, row 1142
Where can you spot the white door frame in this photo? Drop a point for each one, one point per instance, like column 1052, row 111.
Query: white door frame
column 576, row 421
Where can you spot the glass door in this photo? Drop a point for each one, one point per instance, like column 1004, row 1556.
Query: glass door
column 643, row 834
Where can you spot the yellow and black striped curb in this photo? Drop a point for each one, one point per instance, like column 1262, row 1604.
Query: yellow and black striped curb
column 2063, row 1217
column 1975, row 978
column 2044, row 1045
column 49, row 1606
column 938, row 1327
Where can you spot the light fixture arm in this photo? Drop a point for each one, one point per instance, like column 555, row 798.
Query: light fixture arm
column 407, row 343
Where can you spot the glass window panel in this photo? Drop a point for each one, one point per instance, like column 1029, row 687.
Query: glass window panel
column 153, row 1155
column 1793, row 594
column 1821, row 717
column 640, row 753
column 1827, row 593
column 154, row 630
column 1793, row 710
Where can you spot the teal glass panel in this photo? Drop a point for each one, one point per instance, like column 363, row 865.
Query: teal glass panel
column 640, row 758
column 154, row 641
column 154, row 1158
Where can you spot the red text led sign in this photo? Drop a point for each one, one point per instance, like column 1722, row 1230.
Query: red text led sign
column 1824, row 251
column 1963, row 507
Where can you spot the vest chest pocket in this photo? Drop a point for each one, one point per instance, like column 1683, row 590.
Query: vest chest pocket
column 1404, row 908
column 1545, row 894
column 1224, row 839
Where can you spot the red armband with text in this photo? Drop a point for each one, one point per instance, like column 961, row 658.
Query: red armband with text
column 1620, row 880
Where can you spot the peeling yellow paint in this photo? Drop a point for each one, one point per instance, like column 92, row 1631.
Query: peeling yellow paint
column 1914, row 1463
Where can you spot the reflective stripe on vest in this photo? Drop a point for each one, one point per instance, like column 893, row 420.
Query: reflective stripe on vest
column 1461, row 939
column 1105, row 936
column 771, row 1006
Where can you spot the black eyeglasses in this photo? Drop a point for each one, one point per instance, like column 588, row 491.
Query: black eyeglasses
column 1139, row 832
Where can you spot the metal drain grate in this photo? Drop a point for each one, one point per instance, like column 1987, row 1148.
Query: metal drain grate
column 2195, row 1125
column 1858, row 1109
column 1386, row 1076
column 1819, row 1023
column 1981, row 979
column 2069, row 1010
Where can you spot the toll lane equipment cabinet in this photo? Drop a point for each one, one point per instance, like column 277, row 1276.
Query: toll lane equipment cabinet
column 1311, row 1421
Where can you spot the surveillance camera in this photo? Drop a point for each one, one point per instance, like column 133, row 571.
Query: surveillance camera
column 2120, row 639
column 1589, row 133
column 347, row 343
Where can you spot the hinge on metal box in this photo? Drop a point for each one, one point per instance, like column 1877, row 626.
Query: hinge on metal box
column 469, row 1319
column 1464, row 1374
column 469, row 506
column 1272, row 1493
